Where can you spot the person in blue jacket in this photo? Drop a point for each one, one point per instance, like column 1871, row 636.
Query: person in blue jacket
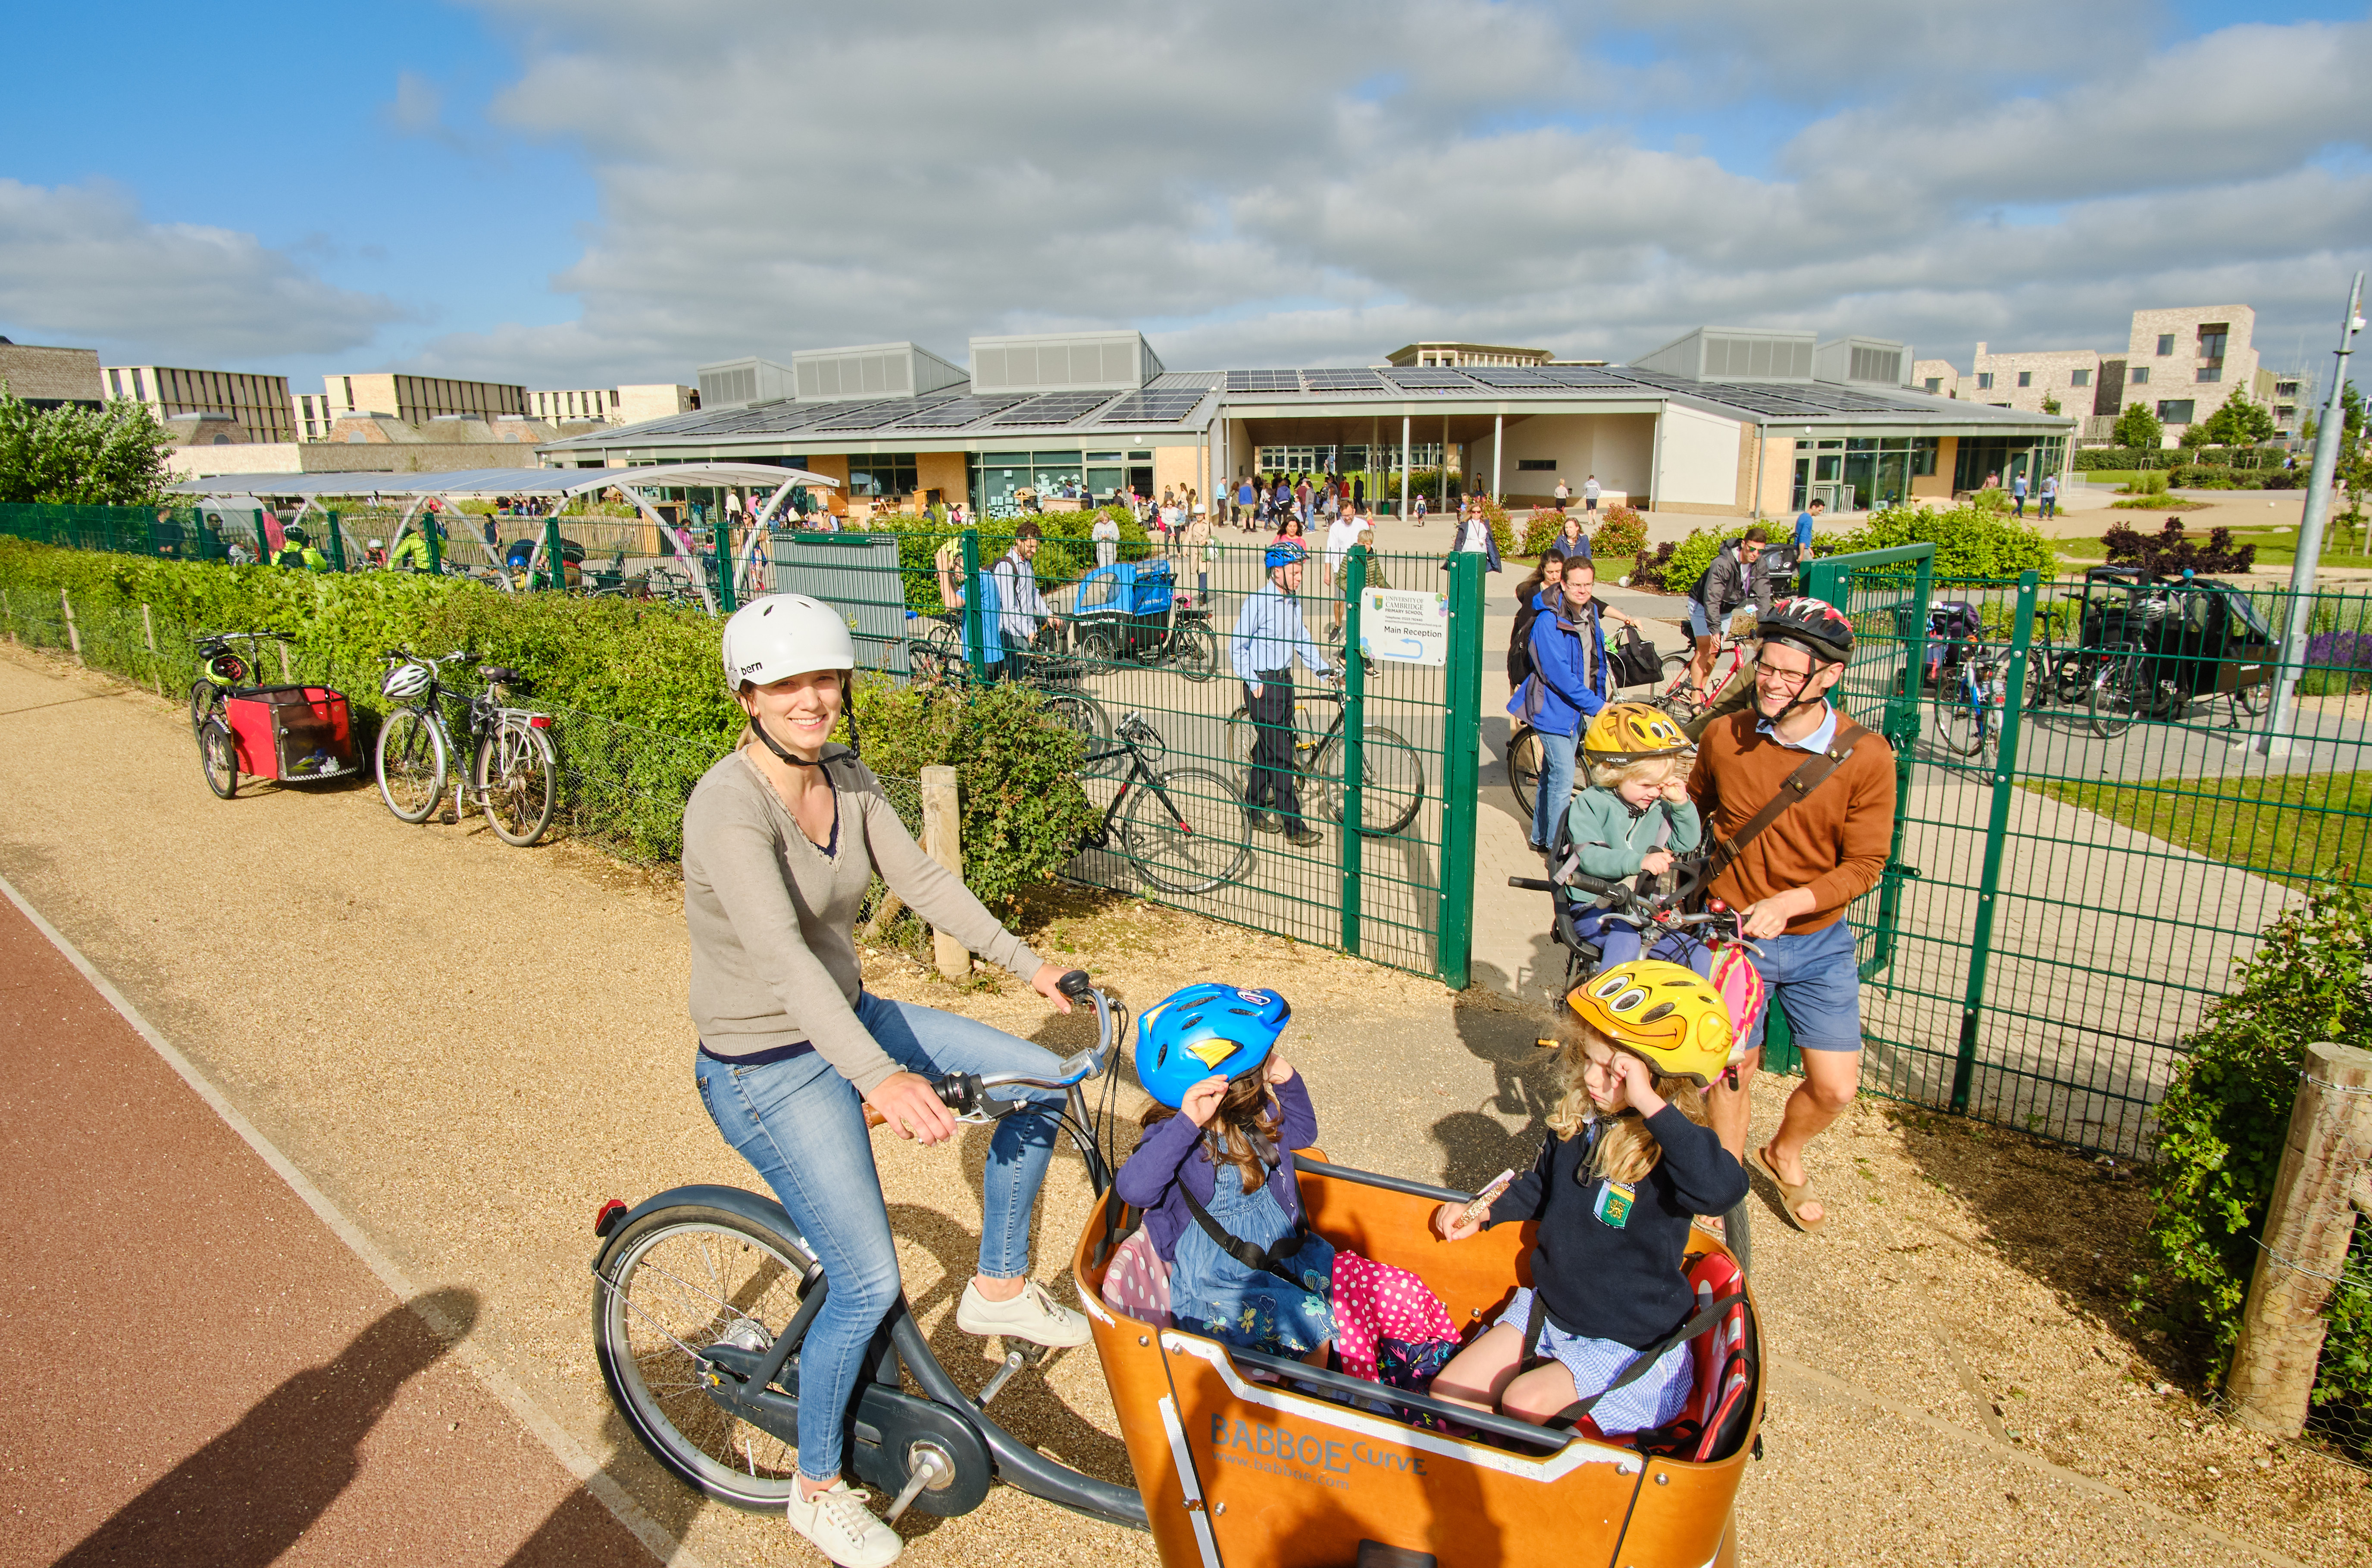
column 1568, row 684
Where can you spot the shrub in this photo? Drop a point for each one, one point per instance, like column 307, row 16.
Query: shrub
column 1977, row 541
column 1624, row 532
column 1067, row 554
column 1653, row 568
column 1503, row 528
column 651, row 670
column 1541, row 530
column 2224, row 1118
column 109, row 456
column 2170, row 552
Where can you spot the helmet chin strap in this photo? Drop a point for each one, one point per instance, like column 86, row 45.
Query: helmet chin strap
column 758, row 726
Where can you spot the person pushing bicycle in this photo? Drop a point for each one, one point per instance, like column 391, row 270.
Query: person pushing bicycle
column 781, row 839
column 1269, row 635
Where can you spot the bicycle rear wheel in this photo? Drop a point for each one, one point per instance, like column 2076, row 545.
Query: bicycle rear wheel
column 1085, row 717
column 2116, row 698
column 1674, row 694
column 1195, row 652
column 1524, row 768
column 1959, row 722
column 1186, row 832
column 411, row 763
column 517, row 780
column 218, row 758
column 1392, row 783
column 672, row 1284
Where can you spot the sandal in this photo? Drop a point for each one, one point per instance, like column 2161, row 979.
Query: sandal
column 1792, row 1197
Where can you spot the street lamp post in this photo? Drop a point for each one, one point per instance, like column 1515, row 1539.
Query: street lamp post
column 2281, row 722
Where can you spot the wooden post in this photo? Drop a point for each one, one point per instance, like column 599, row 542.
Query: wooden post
column 73, row 633
column 148, row 629
column 7, row 615
column 2308, row 1228
column 943, row 841
column 284, row 676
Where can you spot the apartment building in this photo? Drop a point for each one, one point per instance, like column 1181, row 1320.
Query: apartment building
column 415, row 399
column 2182, row 362
column 233, row 406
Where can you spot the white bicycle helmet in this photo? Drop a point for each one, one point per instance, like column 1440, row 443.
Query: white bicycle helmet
column 406, row 681
column 781, row 635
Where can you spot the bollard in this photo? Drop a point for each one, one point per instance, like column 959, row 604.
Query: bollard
column 2308, row 1228
column 73, row 633
column 943, row 841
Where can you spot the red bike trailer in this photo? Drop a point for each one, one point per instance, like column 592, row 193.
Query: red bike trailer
column 288, row 734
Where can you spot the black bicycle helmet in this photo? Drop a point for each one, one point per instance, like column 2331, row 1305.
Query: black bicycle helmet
column 1814, row 625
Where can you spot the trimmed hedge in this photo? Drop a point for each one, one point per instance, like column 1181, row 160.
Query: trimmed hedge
column 649, row 673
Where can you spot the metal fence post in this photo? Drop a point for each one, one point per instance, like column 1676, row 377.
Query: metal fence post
column 337, row 543
column 975, row 650
column 722, row 545
column 554, row 572
column 433, row 532
column 1461, row 735
column 1981, row 934
column 1354, row 749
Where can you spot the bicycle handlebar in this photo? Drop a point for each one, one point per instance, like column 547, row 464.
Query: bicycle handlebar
column 968, row 1094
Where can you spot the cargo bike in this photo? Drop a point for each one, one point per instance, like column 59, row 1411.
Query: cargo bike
column 292, row 733
column 703, row 1295
column 1131, row 612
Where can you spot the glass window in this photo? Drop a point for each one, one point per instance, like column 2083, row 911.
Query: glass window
column 2166, row 342
column 1140, row 457
column 881, row 473
column 2175, row 410
column 2079, row 377
column 1934, row 383
column 1827, row 472
column 2211, row 373
column 1833, row 446
column 1536, row 465
column 1055, row 459
column 1895, row 444
column 1104, row 482
column 1922, row 456
column 2211, row 341
column 1984, row 380
column 1104, row 457
column 2140, row 375
column 1861, row 443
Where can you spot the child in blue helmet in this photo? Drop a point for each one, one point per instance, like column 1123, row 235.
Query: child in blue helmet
column 1215, row 1178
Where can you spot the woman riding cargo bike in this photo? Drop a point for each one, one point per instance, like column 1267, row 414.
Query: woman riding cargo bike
column 757, row 1348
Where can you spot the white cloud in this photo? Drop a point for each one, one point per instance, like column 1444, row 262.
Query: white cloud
column 1261, row 184
column 79, row 264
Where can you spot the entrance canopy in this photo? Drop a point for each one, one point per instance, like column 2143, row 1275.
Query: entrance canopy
column 477, row 483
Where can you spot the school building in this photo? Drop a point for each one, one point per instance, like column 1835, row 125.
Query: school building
column 1722, row 422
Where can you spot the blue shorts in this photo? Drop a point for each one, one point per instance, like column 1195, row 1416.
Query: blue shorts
column 1814, row 978
column 1699, row 625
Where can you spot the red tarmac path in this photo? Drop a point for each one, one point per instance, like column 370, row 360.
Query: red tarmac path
column 194, row 1369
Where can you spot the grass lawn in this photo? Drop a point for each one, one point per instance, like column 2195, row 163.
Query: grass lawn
column 2291, row 829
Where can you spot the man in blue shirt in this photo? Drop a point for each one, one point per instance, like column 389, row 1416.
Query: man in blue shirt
column 2017, row 490
column 1268, row 636
column 1804, row 521
column 1022, row 606
column 1247, row 498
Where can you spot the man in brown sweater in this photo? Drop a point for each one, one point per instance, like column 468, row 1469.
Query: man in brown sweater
column 1795, row 878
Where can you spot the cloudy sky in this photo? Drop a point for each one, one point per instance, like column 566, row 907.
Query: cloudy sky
column 574, row 193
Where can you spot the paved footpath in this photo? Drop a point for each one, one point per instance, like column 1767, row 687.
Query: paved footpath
column 203, row 1372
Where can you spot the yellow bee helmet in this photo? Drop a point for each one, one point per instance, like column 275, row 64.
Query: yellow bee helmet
column 1665, row 1011
column 1632, row 732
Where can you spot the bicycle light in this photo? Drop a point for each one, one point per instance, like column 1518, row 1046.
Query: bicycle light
column 607, row 1219
column 539, row 721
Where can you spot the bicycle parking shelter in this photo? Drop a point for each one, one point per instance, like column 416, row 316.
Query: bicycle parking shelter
column 558, row 486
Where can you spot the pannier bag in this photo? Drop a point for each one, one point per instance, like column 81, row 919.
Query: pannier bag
column 292, row 732
column 1632, row 660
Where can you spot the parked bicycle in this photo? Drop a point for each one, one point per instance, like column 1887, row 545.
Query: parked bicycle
column 1184, row 829
column 1972, row 697
column 513, row 774
column 934, row 658
column 1391, row 785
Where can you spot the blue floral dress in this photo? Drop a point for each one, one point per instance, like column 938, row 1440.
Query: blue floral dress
column 1211, row 1293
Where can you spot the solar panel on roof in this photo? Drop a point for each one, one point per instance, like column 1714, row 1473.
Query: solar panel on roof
column 1429, row 379
column 866, row 415
column 1579, row 376
column 962, row 411
column 1054, row 408
column 1264, row 381
column 1164, row 407
column 1509, row 375
column 1352, row 381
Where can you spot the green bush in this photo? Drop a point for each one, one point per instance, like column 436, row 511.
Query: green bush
column 1541, row 532
column 2224, row 1118
column 649, row 672
column 1624, row 532
column 1067, row 553
column 1976, row 541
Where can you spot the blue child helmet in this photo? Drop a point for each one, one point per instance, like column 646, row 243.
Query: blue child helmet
column 1205, row 1030
column 1283, row 552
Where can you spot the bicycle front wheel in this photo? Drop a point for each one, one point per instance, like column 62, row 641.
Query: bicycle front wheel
column 218, row 758
column 1524, row 768
column 1241, row 734
column 674, row 1283
column 1958, row 721
column 1186, row 832
column 206, row 698
column 1195, row 652
column 1392, row 783
column 516, row 779
column 1085, row 717
column 410, row 765
column 2116, row 694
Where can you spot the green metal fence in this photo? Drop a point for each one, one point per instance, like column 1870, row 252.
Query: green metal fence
column 2100, row 811
column 1393, row 753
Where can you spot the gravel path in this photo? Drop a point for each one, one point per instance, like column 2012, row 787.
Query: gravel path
column 469, row 1047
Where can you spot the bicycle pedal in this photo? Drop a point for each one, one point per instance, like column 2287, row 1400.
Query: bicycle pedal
column 1032, row 1353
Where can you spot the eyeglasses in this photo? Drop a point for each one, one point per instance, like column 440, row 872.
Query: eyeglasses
column 1785, row 679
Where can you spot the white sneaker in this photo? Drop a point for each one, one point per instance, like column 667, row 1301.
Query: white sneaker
column 1033, row 1315
column 842, row 1527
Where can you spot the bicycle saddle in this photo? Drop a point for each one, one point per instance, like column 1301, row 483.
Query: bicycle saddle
column 503, row 675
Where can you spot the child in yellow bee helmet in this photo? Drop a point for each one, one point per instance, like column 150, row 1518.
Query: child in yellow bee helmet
column 1629, row 1163
column 1634, row 814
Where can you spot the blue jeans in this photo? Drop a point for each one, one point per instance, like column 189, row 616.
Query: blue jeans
column 1556, row 787
column 802, row 1126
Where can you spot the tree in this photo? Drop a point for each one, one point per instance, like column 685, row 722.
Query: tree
column 2050, row 403
column 2239, row 422
column 112, row 456
column 2138, row 428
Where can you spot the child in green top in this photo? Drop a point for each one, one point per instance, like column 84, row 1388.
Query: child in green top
column 1636, row 812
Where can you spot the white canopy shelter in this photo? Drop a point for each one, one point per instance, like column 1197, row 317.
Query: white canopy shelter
column 561, row 484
